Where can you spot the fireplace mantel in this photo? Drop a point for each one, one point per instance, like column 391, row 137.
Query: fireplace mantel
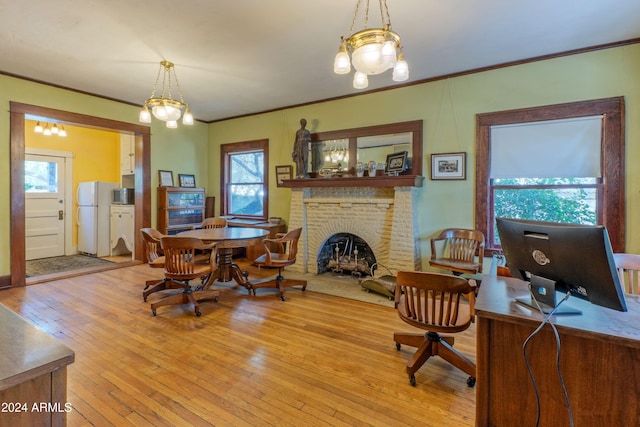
column 365, row 181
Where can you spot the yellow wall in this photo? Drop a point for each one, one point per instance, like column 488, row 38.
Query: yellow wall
column 96, row 156
column 601, row 74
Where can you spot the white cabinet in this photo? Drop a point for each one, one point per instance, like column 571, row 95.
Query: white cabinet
column 127, row 154
column 122, row 229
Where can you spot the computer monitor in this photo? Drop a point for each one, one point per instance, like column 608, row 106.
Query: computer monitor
column 565, row 257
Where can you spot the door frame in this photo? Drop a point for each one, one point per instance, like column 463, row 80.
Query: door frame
column 68, row 189
column 18, row 111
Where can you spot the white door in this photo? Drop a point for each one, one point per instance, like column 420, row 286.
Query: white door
column 44, row 194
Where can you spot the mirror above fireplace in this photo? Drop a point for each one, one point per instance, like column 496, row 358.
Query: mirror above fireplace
column 341, row 150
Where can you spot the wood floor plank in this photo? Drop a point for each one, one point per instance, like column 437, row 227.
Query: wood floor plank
column 315, row 359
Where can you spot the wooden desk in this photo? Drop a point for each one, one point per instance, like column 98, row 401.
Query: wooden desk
column 33, row 371
column 600, row 361
column 227, row 239
column 254, row 251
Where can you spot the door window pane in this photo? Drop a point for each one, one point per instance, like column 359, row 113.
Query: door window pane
column 40, row 177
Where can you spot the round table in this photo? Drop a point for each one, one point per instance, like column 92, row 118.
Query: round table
column 228, row 238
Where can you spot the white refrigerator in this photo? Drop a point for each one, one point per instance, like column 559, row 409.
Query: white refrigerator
column 94, row 201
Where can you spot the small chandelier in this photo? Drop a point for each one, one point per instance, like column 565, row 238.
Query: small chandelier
column 48, row 131
column 166, row 108
column 373, row 50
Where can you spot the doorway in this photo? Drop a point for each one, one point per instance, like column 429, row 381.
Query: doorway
column 21, row 111
column 47, row 207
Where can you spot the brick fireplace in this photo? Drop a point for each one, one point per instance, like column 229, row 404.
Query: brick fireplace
column 384, row 217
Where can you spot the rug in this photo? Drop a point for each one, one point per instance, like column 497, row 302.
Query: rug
column 43, row 266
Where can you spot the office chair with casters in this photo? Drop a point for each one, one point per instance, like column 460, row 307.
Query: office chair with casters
column 181, row 266
column 155, row 258
column 287, row 244
column 628, row 266
column 214, row 223
column 458, row 249
column 437, row 303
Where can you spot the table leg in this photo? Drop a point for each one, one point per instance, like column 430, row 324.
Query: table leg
column 228, row 270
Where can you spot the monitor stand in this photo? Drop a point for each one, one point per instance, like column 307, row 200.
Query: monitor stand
column 544, row 292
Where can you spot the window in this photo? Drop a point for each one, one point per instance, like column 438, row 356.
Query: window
column 244, row 180
column 40, row 177
column 562, row 163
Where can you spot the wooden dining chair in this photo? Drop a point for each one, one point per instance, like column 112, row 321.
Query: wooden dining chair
column 154, row 257
column 287, row 244
column 437, row 303
column 214, row 223
column 628, row 266
column 181, row 266
column 455, row 249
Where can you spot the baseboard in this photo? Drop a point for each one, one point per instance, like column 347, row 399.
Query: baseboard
column 5, row 282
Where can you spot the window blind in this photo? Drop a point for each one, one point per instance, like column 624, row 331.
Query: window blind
column 547, row 149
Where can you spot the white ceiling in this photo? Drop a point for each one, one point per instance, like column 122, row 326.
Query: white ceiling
column 239, row 57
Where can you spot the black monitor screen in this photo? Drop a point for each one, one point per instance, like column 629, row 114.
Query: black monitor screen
column 578, row 258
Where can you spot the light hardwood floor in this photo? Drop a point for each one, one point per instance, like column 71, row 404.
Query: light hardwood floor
column 314, row 360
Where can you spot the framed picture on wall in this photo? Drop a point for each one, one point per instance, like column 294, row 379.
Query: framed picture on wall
column 282, row 173
column 165, row 178
column 448, row 166
column 186, row 180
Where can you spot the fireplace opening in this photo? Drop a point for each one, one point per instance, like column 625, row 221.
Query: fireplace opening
column 346, row 254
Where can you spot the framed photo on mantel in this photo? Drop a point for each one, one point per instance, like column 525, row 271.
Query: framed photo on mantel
column 282, row 173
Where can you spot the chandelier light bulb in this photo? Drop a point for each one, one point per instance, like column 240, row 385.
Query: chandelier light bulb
column 342, row 63
column 360, row 80
column 63, row 132
column 187, row 119
column 172, row 124
column 54, row 129
column 38, row 128
column 145, row 115
column 47, row 131
column 401, row 69
column 388, row 53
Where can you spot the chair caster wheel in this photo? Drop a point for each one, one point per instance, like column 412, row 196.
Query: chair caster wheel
column 198, row 314
column 398, row 346
column 471, row 381
column 215, row 299
column 412, row 380
column 153, row 312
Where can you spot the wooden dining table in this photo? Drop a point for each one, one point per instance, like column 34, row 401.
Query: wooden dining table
column 228, row 238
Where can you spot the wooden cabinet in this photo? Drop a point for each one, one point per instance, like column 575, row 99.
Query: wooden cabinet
column 180, row 209
column 127, row 154
column 122, row 229
column 33, row 374
column 254, row 251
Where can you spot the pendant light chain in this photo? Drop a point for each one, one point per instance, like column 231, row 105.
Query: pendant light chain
column 386, row 10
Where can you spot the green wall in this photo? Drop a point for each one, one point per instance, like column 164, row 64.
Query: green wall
column 447, row 109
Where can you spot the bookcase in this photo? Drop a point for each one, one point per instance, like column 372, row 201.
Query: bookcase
column 180, row 209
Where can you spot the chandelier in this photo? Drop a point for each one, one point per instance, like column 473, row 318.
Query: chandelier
column 373, row 50
column 166, row 108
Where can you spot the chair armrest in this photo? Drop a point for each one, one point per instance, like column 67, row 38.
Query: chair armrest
column 433, row 246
